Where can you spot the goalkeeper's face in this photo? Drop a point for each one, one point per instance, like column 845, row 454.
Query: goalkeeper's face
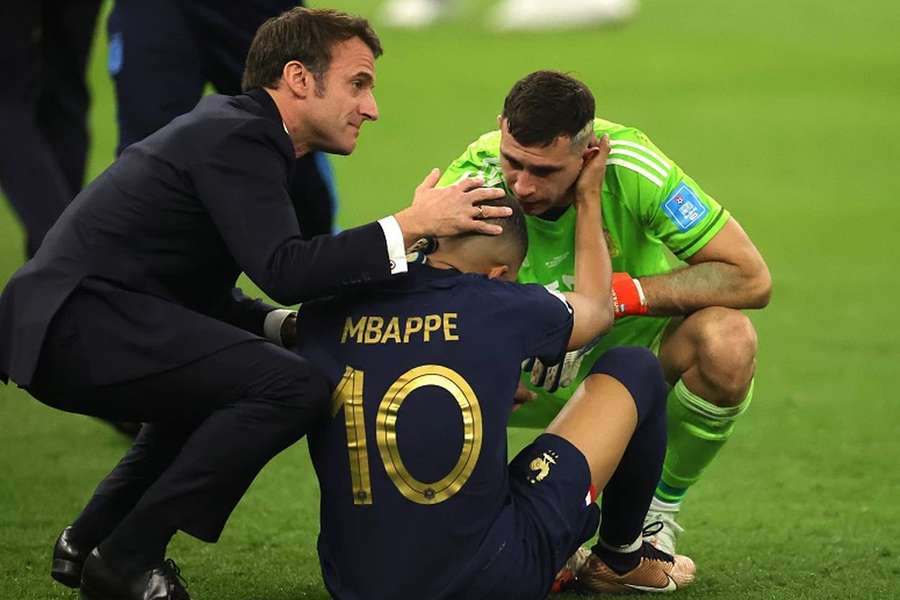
column 541, row 177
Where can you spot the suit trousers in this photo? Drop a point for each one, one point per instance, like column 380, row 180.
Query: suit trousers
column 210, row 427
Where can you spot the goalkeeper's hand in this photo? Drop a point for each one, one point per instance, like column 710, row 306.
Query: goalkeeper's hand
column 627, row 296
column 562, row 374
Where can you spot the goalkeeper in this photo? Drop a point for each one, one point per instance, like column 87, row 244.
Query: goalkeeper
column 683, row 270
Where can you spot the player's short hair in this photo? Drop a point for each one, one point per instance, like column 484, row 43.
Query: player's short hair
column 514, row 239
column 304, row 34
column 547, row 104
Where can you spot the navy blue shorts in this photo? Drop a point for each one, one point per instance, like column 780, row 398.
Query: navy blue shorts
column 546, row 519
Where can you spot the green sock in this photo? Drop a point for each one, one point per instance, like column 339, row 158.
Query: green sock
column 697, row 430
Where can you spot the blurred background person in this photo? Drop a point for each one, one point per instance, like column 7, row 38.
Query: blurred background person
column 515, row 15
column 162, row 54
column 44, row 47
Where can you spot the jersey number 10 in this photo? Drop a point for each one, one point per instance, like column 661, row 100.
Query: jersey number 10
column 349, row 396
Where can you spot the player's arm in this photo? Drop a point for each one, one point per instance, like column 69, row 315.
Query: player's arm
column 728, row 271
column 592, row 311
column 723, row 267
column 591, row 308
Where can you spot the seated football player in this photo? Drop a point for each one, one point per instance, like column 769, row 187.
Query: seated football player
column 417, row 498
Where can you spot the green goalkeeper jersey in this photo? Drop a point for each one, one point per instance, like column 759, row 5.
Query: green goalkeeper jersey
column 651, row 211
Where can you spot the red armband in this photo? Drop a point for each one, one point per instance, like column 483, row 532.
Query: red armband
column 627, row 296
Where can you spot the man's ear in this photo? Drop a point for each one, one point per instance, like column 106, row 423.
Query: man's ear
column 298, row 78
column 591, row 147
column 588, row 152
column 500, row 121
column 497, row 272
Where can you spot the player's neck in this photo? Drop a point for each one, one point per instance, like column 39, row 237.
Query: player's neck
column 554, row 213
column 458, row 255
column 465, row 261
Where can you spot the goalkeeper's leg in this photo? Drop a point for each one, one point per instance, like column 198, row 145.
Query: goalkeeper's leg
column 709, row 358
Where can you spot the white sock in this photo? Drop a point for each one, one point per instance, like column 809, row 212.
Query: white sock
column 657, row 504
column 632, row 547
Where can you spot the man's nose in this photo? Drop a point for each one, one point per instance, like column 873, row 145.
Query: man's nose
column 523, row 186
column 369, row 108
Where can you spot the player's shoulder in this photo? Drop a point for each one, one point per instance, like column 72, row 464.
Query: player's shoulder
column 632, row 155
column 485, row 146
column 482, row 157
column 488, row 142
column 619, row 132
column 506, row 294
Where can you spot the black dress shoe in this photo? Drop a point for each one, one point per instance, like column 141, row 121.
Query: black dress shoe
column 99, row 581
column 68, row 559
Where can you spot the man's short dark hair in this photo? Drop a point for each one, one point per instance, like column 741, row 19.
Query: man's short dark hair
column 304, row 34
column 545, row 105
column 515, row 233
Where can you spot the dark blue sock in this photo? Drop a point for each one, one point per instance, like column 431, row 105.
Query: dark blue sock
column 627, row 496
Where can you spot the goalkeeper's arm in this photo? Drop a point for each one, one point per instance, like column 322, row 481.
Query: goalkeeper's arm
column 628, row 296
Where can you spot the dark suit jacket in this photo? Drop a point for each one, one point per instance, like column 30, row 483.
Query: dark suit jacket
column 156, row 243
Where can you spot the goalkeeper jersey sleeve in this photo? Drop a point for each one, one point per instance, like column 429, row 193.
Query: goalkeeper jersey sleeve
column 668, row 204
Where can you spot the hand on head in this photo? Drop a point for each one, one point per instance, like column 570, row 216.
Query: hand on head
column 456, row 209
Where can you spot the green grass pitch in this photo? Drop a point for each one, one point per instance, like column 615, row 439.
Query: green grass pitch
column 789, row 114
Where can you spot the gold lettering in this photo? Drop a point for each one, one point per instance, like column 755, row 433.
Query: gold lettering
column 432, row 323
column 373, row 330
column 351, row 329
column 392, row 332
column 449, row 326
column 413, row 325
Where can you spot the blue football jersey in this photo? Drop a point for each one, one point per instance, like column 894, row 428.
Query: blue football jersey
column 412, row 457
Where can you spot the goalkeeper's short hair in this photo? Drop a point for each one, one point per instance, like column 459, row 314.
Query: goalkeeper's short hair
column 547, row 104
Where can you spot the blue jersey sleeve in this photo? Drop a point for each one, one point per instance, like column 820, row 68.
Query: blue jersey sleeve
column 545, row 320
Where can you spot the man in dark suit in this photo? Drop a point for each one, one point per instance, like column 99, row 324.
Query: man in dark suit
column 181, row 45
column 128, row 310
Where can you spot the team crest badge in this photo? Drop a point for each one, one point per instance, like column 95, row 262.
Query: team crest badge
column 540, row 466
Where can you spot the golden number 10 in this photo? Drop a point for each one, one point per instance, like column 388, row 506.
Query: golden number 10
column 349, row 396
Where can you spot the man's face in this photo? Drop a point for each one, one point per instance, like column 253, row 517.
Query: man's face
column 541, row 178
column 337, row 113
